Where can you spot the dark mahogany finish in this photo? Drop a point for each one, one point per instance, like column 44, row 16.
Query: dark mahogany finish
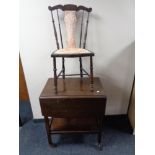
column 82, row 42
column 74, row 109
column 69, row 7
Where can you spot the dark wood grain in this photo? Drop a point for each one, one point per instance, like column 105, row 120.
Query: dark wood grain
column 74, row 88
column 74, row 125
column 52, row 8
column 84, row 8
column 69, row 7
column 74, row 109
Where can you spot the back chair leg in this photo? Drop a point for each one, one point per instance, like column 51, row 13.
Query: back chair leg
column 81, row 73
column 63, row 68
column 91, row 74
column 55, row 74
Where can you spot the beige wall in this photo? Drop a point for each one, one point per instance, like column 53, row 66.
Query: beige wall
column 110, row 36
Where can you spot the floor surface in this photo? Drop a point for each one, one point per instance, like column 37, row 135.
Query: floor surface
column 116, row 140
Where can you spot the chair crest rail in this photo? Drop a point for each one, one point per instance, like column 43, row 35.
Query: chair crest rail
column 69, row 7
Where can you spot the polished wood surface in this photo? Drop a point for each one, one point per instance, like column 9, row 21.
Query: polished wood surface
column 74, row 108
column 73, row 88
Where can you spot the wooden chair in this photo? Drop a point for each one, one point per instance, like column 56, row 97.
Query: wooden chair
column 71, row 51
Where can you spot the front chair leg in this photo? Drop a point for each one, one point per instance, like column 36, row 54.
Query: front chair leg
column 63, row 68
column 81, row 73
column 91, row 74
column 55, row 74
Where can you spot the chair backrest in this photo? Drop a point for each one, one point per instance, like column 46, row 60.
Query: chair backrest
column 70, row 20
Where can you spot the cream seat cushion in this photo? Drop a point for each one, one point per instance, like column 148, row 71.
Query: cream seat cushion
column 72, row 51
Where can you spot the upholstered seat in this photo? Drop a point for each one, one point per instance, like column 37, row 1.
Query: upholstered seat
column 71, row 51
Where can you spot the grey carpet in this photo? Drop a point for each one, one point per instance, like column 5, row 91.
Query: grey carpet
column 116, row 140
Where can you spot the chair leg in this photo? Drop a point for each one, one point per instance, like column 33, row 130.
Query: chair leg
column 55, row 74
column 91, row 74
column 81, row 74
column 63, row 68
